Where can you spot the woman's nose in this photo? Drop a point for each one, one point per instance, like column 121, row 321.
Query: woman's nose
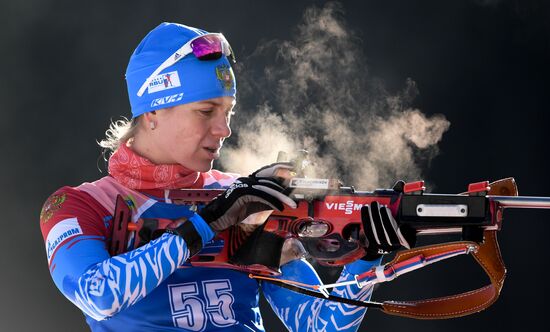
column 220, row 127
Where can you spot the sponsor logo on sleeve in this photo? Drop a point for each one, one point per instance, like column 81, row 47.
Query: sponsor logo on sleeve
column 164, row 82
column 60, row 233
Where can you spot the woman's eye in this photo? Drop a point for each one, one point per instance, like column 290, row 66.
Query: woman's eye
column 206, row 112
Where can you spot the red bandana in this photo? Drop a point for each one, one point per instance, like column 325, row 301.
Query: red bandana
column 137, row 172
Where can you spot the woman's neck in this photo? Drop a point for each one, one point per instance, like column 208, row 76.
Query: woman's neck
column 142, row 145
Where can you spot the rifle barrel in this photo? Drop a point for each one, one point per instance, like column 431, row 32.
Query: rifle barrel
column 521, row 202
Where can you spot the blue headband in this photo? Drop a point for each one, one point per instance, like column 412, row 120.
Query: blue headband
column 186, row 81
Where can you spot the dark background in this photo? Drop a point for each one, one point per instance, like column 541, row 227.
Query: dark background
column 483, row 64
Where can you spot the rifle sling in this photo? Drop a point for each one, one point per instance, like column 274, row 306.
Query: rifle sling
column 488, row 256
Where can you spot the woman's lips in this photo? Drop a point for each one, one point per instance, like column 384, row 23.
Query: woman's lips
column 213, row 153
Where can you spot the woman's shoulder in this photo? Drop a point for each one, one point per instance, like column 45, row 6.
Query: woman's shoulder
column 77, row 198
column 99, row 194
column 57, row 200
column 67, row 212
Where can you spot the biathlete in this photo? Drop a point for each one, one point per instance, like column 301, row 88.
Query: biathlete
column 175, row 134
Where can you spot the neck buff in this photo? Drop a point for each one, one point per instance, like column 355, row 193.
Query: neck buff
column 136, row 172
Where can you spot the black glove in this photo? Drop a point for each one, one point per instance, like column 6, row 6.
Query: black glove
column 246, row 196
column 383, row 233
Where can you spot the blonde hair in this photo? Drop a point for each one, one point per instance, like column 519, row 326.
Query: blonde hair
column 119, row 132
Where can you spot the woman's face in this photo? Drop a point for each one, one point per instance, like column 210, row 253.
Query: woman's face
column 191, row 134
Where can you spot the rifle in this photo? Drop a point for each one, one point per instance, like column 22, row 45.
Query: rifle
column 327, row 222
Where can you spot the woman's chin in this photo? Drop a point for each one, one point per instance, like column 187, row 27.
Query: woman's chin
column 204, row 166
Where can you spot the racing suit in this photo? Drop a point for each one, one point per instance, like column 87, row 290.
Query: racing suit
column 149, row 289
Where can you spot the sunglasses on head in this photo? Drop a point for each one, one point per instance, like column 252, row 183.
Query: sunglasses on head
column 210, row 46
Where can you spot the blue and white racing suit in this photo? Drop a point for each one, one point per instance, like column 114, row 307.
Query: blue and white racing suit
column 147, row 289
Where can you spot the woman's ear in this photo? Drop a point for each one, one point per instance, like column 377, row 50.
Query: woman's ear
column 151, row 120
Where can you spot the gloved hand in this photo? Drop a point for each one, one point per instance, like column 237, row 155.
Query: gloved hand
column 247, row 195
column 383, row 233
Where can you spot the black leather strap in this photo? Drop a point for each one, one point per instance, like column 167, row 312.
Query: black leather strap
column 190, row 235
